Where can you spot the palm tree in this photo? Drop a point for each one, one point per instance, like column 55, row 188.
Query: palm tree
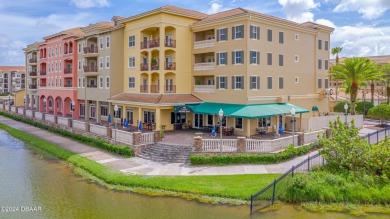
column 336, row 51
column 386, row 79
column 355, row 72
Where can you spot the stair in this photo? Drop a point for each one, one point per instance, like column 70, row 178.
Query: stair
column 160, row 152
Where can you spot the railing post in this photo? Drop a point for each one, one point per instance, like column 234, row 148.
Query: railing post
column 308, row 163
column 273, row 193
column 251, row 203
column 292, row 171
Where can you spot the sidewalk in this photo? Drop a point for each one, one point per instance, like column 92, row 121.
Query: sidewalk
column 141, row 166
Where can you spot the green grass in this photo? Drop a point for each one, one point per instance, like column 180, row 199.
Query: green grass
column 232, row 186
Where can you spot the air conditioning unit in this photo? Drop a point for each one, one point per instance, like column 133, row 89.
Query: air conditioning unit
column 328, row 91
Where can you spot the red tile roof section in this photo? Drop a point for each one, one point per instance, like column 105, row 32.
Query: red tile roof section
column 156, row 98
column 12, row 68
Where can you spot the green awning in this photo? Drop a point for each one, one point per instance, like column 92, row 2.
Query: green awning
column 246, row 111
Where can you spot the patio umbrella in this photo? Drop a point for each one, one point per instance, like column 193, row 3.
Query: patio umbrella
column 280, row 131
column 213, row 131
column 140, row 126
column 109, row 118
column 125, row 123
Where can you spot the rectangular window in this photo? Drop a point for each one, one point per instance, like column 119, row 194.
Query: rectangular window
column 82, row 109
column 222, row 34
column 238, row 82
column 79, row 83
column 131, row 62
column 238, row 32
column 280, row 60
column 319, row 83
column 222, row 58
column 107, row 42
column 238, row 123
column 281, row 36
column 60, row 50
column 238, row 57
column 79, row 65
column 108, row 82
column 131, row 41
column 83, row 63
column 326, row 83
column 319, row 44
column 221, row 82
column 255, row 57
column 107, row 61
column 83, row 82
column 269, row 35
column 319, row 64
column 131, row 82
column 254, row 82
column 101, row 42
column 254, row 32
column 269, row 58
column 101, row 85
column 296, row 58
column 60, row 82
column 264, row 122
column 326, row 45
column 104, row 110
column 101, row 62
column 269, row 82
column 281, row 83
column 79, row 48
column 326, row 64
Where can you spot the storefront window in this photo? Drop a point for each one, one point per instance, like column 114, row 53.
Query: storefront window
column 264, row 122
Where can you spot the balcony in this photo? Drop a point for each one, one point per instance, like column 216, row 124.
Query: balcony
column 92, row 85
column 144, row 89
column 150, row 44
column 42, row 85
column 32, row 86
column 204, row 66
column 155, row 66
column 42, row 72
column 154, row 89
column 70, row 52
column 204, row 44
column 42, row 57
column 170, row 43
column 90, row 51
column 1, row 80
column 144, row 67
column 33, row 61
column 204, row 88
column 68, row 85
column 32, row 74
column 68, row 71
column 90, row 69
column 170, row 66
column 169, row 88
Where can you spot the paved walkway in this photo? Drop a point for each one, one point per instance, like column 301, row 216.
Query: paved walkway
column 141, row 166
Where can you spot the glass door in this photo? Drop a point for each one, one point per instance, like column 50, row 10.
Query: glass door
column 198, row 120
column 92, row 111
column 129, row 115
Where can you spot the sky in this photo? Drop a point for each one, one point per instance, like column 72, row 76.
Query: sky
column 362, row 27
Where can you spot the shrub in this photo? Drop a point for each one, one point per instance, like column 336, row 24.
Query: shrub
column 95, row 142
column 339, row 107
column 381, row 112
column 287, row 154
column 360, row 106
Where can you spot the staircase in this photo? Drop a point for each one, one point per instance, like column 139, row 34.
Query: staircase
column 160, row 152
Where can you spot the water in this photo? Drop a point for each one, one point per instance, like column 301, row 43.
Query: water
column 33, row 185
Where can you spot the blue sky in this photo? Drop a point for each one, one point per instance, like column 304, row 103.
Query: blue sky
column 362, row 27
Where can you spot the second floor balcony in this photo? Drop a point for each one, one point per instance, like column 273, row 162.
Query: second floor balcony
column 144, row 89
column 32, row 86
column 144, row 67
column 204, row 66
column 42, row 72
column 204, row 44
column 169, row 88
column 42, row 85
column 90, row 51
column 154, row 89
column 92, row 85
column 33, row 61
column 32, row 73
column 204, row 88
column 170, row 66
column 68, row 71
column 170, row 43
column 150, row 44
column 90, row 69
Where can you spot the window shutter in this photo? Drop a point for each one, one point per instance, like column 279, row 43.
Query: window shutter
column 251, row 31
column 242, row 31
column 217, row 82
column 242, row 82
column 258, row 82
column 233, row 32
column 258, row 57
column 226, row 58
column 233, row 81
column 258, row 33
column 226, row 82
column 227, row 33
column 242, row 57
column 217, row 58
column 233, row 57
column 218, row 35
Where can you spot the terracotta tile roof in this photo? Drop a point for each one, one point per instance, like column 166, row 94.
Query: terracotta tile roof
column 156, row 98
column 74, row 32
column 315, row 25
column 377, row 59
column 12, row 68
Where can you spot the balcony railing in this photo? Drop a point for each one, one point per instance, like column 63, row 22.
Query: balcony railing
column 33, row 60
column 42, row 57
column 204, row 88
column 204, row 44
column 144, row 89
column 155, row 66
column 150, row 44
column 144, row 67
column 170, row 43
column 154, row 89
column 68, row 85
column 42, row 85
column 88, row 50
column 32, row 86
column 32, row 73
column 42, row 72
column 204, row 66
column 92, row 85
column 69, row 52
column 170, row 88
column 90, row 69
column 68, row 71
column 170, row 66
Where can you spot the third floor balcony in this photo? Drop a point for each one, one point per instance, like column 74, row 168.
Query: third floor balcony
column 33, row 61
column 68, row 71
column 32, row 86
column 91, row 70
column 42, row 72
column 90, row 51
column 32, row 73
column 150, row 44
column 144, row 67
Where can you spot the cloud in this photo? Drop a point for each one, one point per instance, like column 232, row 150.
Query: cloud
column 299, row 10
column 215, row 7
column 11, row 51
column 369, row 9
column 326, row 22
column 90, row 3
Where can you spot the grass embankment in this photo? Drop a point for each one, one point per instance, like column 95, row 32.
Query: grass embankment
column 289, row 153
column 238, row 187
column 94, row 142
